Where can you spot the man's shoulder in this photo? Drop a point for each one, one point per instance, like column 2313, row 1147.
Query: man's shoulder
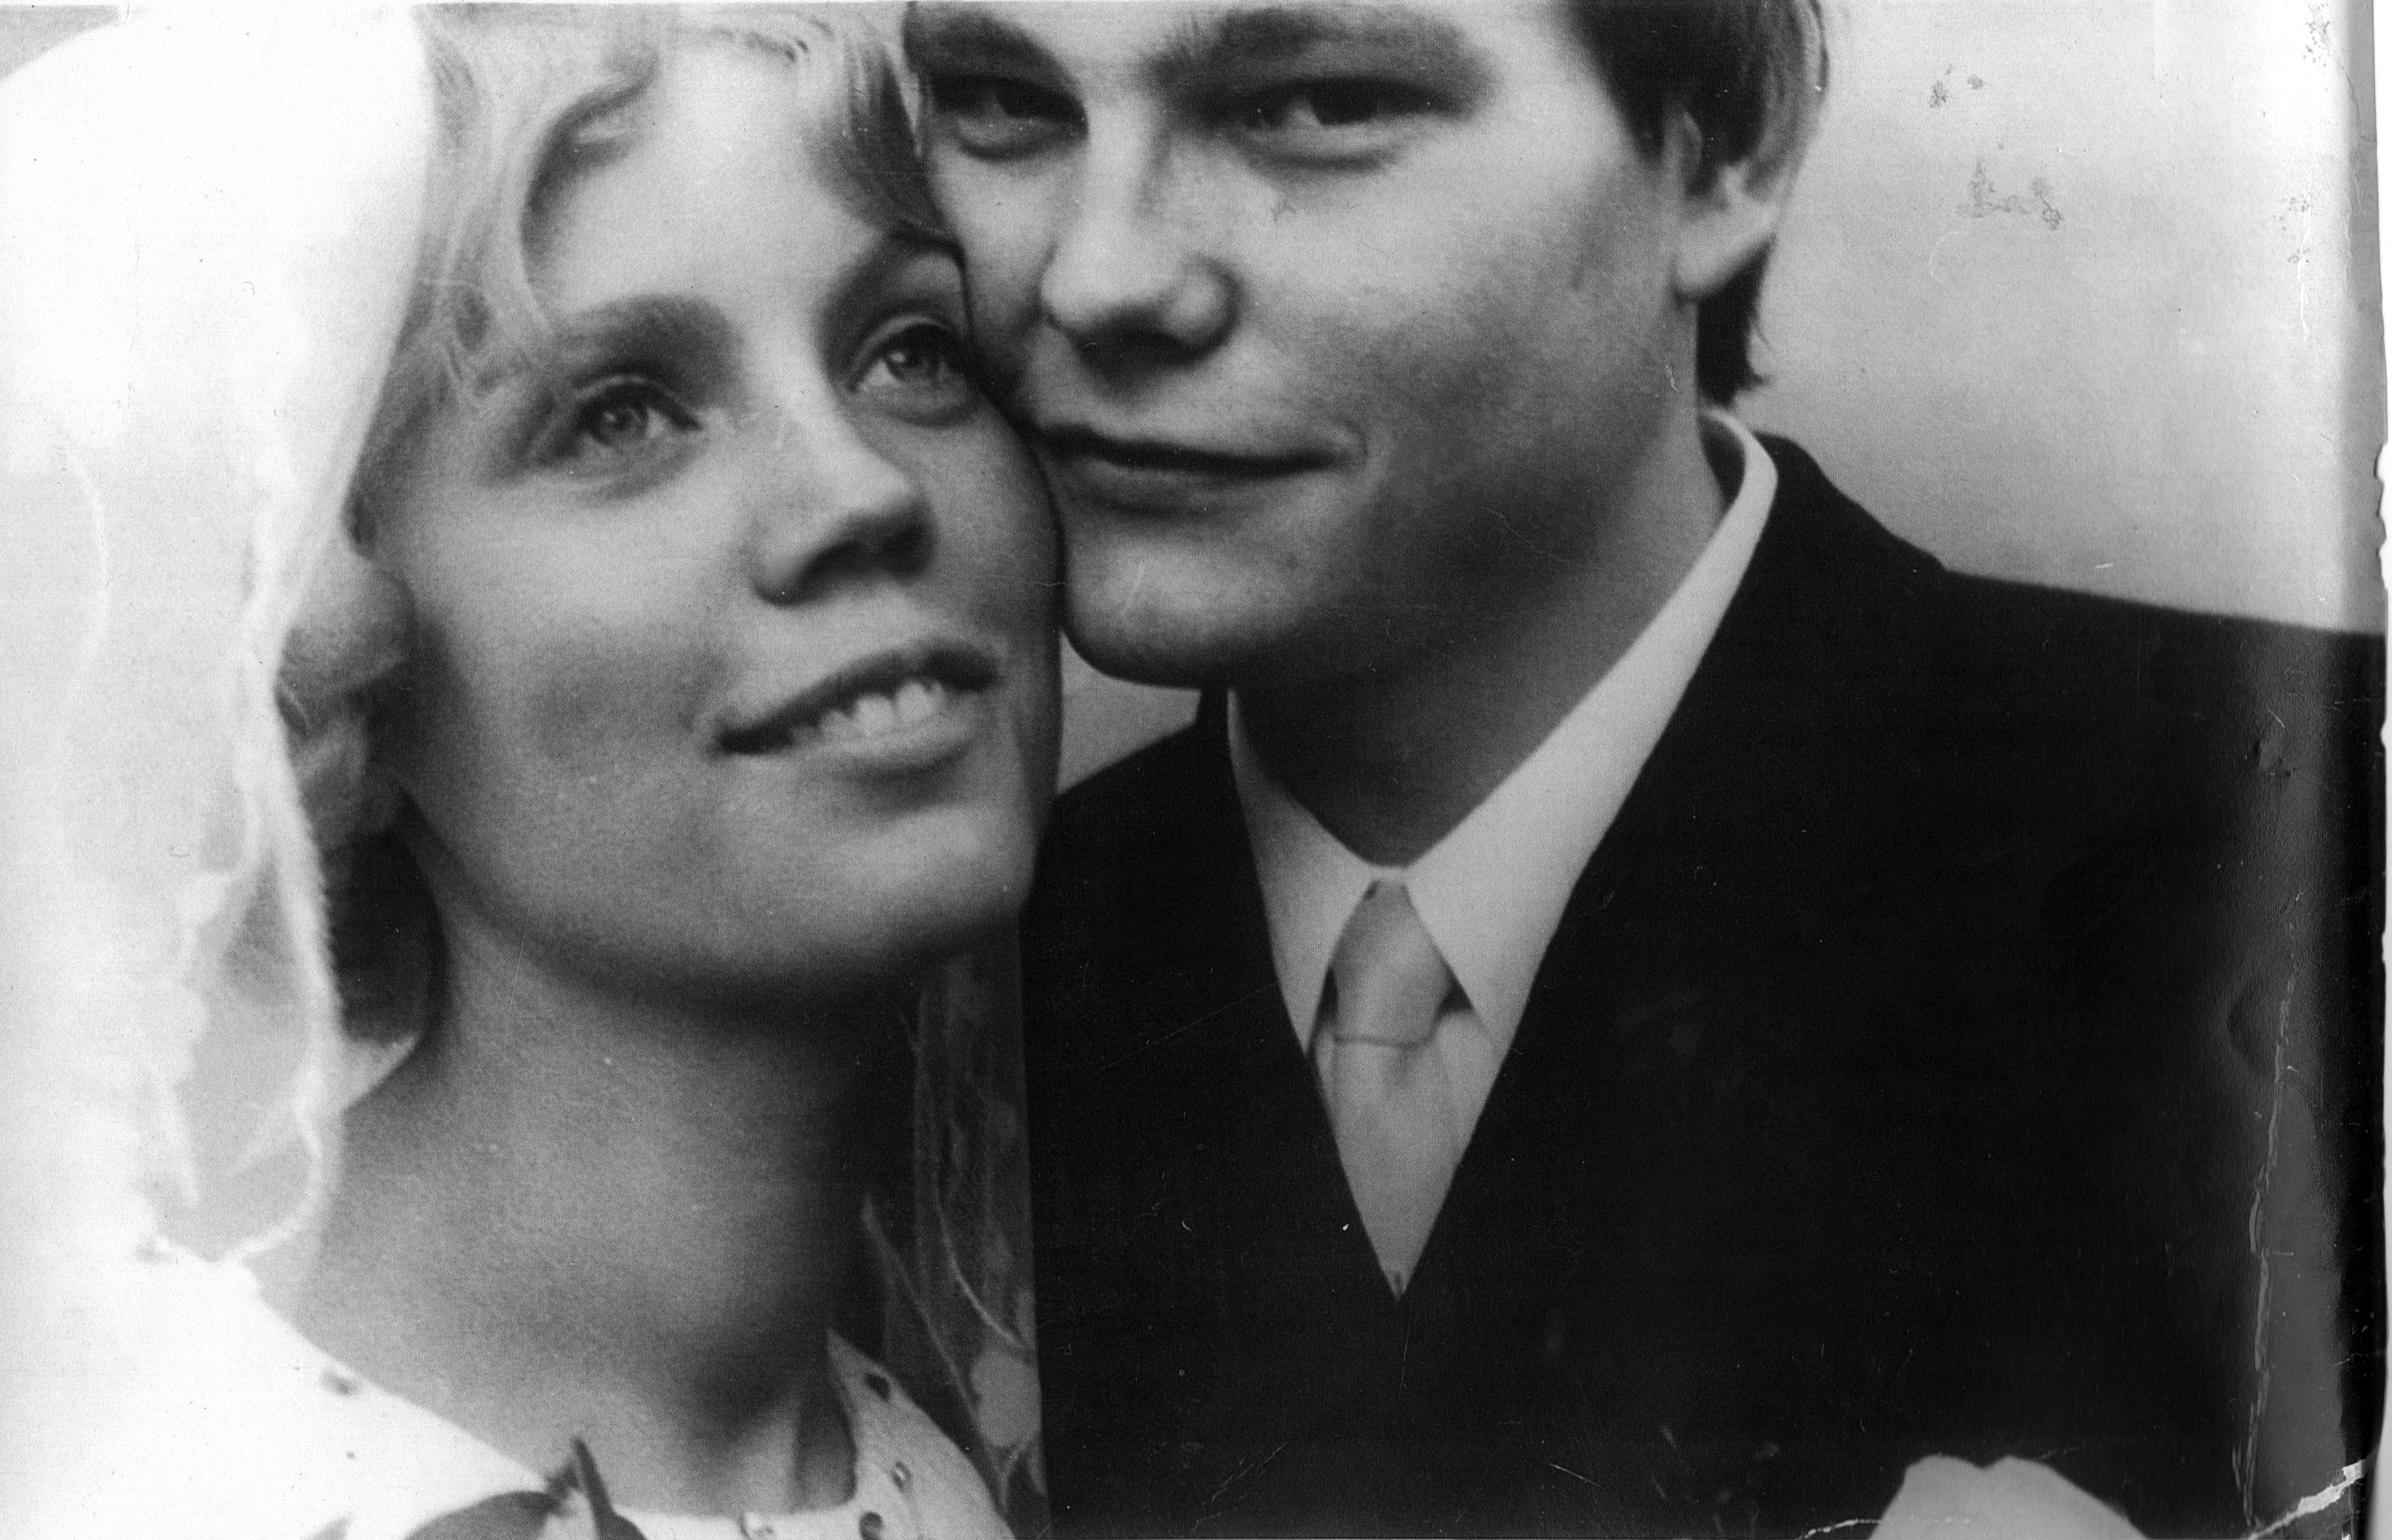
column 2156, row 665
column 2094, row 674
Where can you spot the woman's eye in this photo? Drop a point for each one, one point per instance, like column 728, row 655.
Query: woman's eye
column 920, row 366
column 996, row 116
column 614, row 419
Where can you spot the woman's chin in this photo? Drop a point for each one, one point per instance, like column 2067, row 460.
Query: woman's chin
column 891, row 914
column 768, row 915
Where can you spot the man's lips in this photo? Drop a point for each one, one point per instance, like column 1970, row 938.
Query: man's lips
column 885, row 693
column 1079, row 449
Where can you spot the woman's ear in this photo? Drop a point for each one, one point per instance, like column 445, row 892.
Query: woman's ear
column 1733, row 203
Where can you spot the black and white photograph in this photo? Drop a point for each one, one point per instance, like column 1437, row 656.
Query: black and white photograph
column 941, row 769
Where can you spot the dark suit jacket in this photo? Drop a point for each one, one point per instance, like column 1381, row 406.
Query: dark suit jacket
column 1961, row 1042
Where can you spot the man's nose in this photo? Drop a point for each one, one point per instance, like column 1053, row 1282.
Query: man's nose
column 1132, row 276
column 829, row 507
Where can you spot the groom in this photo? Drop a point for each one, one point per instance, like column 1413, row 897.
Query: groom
column 1642, row 1003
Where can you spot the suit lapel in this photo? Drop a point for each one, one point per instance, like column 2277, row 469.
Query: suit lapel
column 1231, row 1141
column 1280, row 1142
column 1657, row 981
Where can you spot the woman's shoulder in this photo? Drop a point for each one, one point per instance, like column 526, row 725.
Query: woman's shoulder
column 216, row 1418
column 221, row 1419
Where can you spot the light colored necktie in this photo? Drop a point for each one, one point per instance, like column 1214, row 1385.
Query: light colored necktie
column 1390, row 1099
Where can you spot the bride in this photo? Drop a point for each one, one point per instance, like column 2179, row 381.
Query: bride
column 572, row 651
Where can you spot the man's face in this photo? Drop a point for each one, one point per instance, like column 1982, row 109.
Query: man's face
column 1339, row 328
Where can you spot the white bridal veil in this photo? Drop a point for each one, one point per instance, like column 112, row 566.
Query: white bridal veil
column 206, row 228
column 208, row 218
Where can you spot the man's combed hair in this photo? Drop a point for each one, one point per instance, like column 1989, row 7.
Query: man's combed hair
column 1749, row 73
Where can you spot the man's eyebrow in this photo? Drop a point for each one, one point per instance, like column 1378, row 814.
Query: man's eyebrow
column 1271, row 35
column 936, row 35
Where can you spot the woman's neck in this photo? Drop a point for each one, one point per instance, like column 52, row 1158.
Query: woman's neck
column 572, row 1212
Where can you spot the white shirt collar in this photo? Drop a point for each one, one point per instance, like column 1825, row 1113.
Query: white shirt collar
column 1491, row 892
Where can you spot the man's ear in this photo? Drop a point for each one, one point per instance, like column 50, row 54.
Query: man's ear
column 1732, row 206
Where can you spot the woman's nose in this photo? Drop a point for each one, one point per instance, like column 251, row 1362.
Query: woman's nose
column 830, row 509
column 1130, row 275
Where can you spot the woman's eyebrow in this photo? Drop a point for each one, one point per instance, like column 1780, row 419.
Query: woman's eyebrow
column 652, row 325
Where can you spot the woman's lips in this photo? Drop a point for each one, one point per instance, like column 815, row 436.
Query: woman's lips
column 906, row 707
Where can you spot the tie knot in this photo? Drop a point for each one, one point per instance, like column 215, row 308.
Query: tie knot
column 1391, row 980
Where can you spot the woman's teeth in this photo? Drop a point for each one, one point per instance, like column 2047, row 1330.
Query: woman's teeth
column 870, row 716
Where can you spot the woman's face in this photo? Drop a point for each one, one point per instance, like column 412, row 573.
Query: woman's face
column 735, row 667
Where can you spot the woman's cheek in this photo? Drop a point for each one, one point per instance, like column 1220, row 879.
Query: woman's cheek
column 598, row 697
column 610, row 787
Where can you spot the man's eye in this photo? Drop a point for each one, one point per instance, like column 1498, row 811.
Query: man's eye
column 996, row 97
column 1328, row 105
column 613, row 418
column 997, row 115
column 918, row 369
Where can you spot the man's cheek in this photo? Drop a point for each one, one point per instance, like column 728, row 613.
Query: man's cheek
column 1007, row 243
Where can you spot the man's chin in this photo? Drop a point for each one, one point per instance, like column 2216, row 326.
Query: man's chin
column 1138, row 660
column 1180, row 648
